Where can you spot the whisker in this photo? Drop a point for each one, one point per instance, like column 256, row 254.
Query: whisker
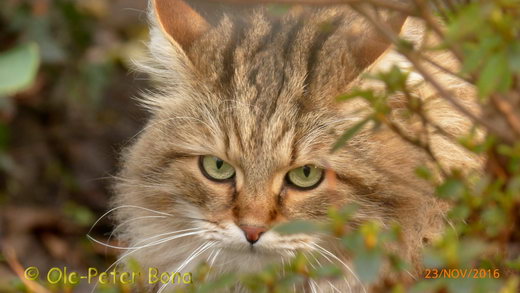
column 312, row 265
column 313, row 286
column 126, row 222
column 201, row 249
column 283, row 266
column 215, row 257
column 121, row 207
column 334, row 287
column 196, row 253
column 157, row 242
column 344, row 278
column 210, row 255
column 129, row 221
column 316, row 259
column 146, row 245
column 322, row 250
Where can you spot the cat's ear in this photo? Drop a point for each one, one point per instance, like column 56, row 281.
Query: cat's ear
column 174, row 26
column 368, row 44
column 179, row 22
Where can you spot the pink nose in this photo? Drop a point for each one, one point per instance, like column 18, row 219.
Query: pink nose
column 253, row 233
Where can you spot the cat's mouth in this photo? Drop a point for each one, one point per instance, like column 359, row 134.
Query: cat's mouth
column 260, row 252
column 251, row 249
column 265, row 248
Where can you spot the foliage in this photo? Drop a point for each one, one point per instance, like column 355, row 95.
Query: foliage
column 484, row 218
column 65, row 109
column 485, row 208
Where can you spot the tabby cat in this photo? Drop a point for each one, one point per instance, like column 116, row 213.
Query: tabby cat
column 243, row 118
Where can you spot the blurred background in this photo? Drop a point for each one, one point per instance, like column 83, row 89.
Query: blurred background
column 62, row 126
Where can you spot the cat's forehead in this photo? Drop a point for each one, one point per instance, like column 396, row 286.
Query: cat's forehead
column 266, row 139
column 265, row 60
column 271, row 82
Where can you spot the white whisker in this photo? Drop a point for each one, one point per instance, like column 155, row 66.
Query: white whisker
column 121, row 207
column 214, row 257
column 126, row 222
column 154, row 243
column 334, row 287
column 322, row 250
column 201, row 249
column 195, row 253
column 141, row 241
column 313, row 286
column 129, row 221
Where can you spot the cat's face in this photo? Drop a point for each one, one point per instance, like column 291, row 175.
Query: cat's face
column 240, row 140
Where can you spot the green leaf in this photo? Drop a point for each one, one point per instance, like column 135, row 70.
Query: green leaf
column 350, row 133
column 278, row 9
column 451, row 188
column 18, row 68
column 328, row 271
column 394, row 79
column 423, row 172
column 357, row 93
column 514, row 57
column 495, row 75
column 222, row 282
column 298, row 226
column 81, row 215
column 367, row 264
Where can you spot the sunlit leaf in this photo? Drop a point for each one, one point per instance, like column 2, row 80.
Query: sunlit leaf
column 18, row 68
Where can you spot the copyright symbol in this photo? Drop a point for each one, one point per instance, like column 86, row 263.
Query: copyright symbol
column 32, row 273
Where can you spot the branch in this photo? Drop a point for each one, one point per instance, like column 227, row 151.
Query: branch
column 380, row 3
column 434, row 25
column 388, row 33
column 414, row 141
column 505, row 108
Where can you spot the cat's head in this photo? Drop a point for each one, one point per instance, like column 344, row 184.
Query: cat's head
column 243, row 120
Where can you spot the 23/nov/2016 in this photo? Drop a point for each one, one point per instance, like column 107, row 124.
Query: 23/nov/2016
column 461, row 273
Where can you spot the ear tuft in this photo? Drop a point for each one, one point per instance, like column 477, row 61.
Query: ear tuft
column 179, row 21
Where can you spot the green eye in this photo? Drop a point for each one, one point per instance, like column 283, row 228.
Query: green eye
column 216, row 169
column 306, row 177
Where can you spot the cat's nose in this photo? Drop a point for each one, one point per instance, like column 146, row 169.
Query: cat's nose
column 253, row 233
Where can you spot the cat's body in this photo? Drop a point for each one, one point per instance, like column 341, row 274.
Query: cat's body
column 258, row 91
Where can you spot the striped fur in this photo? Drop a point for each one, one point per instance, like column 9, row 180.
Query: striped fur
column 258, row 90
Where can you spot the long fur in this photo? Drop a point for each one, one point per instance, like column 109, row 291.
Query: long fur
column 258, row 91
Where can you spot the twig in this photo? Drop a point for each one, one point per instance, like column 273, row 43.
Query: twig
column 380, row 3
column 444, row 69
column 433, row 24
column 430, row 79
column 10, row 256
column 414, row 141
column 425, row 118
column 505, row 108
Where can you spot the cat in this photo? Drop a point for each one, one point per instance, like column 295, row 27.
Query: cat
column 243, row 118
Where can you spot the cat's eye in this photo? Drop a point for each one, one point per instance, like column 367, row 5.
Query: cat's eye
column 215, row 168
column 305, row 177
